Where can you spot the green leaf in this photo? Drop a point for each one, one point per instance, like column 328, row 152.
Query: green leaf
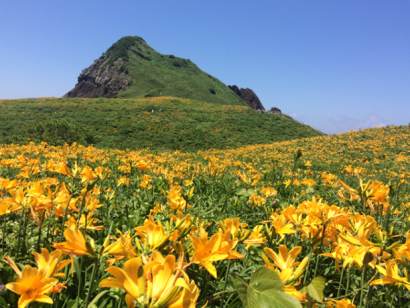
column 266, row 290
column 310, row 190
column 95, row 300
column 3, row 302
column 316, row 287
column 266, row 279
column 72, row 304
column 245, row 193
column 241, row 288
column 77, row 268
column 276, row 299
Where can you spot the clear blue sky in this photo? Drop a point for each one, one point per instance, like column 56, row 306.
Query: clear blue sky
column 336, row 65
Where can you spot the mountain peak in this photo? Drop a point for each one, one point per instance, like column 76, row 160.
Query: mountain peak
column 130, row 68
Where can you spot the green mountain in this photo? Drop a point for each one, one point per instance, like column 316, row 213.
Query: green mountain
column 183, row 124
column 132, row 69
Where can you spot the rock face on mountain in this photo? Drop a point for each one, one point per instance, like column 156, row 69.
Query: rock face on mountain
column 101, row 80
column 236, row 90
column 248, row 96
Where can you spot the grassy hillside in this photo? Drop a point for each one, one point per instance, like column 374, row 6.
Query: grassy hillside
column 156, row 74
column 184, row 124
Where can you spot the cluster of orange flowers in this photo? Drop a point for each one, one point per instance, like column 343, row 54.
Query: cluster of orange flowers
column 61, row 185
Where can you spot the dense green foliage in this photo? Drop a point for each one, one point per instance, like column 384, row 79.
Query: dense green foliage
column 54, row 132
column 155, row 74
column 183, row 124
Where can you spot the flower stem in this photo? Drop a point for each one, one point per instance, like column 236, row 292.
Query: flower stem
column 361, row 292
column 226, row 278
column 128, row 223
column 64, row 218
column 82, row 205
column 340, row 282
column 4, row 231
column 18, row 235
column 91, row 282
column 317, row 251
column 348, row 280
column 39, row 233
column 291, row 182
column 24, row 234
column 307, row 268
column 85, row 226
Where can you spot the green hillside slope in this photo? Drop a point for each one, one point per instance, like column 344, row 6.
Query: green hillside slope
column 149, row 73
column 183, row 124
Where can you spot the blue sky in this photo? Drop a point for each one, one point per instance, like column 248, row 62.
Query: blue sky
column 335, row 65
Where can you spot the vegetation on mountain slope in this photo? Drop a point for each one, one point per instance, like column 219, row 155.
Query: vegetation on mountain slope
column 121, row 123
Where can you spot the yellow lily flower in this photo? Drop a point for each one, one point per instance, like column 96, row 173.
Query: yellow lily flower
column 285, row 259
column 75, row 244
column 391, row 275
column 343, row 303
column 156, row 284
column 53, row 260
column 256, row 237
column 122, row 247
column 32, row 286
column 218, row 247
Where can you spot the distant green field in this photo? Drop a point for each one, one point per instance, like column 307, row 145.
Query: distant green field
column 184, row 124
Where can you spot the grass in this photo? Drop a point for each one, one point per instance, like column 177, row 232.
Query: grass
column 184, row 124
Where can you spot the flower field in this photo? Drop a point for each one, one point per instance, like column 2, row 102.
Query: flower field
column 315, row 222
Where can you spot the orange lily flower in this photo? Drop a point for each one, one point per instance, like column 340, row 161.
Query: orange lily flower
column 391, row 275
column 75, row 244
column 122, row 247
column 158, row 283
column 343, row 303
column 53, row 260
column 32, row 286
column 285, row 259
column 256, row 237
column 218, row 247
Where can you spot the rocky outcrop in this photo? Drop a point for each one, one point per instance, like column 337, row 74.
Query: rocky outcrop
column 275, row 110
column 248, row 96
column 235, row 89
column 101, row 79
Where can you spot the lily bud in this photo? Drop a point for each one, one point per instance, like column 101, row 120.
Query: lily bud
column 178, row 224
column 162, row 244
column 394, row 245
column 106, row 241
column 138, row 244
column 267, row 235
column 379, row 235
column 316, row 235
column 351, row 240
column 90, row 248
column 246, row 234
column 399, row 259
column 90, row 185
column 169, row 297
column 141, row 281
column 299, row 271
column 222, row 226
column 178, row 247
column 367, row 186
column 273, row 233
